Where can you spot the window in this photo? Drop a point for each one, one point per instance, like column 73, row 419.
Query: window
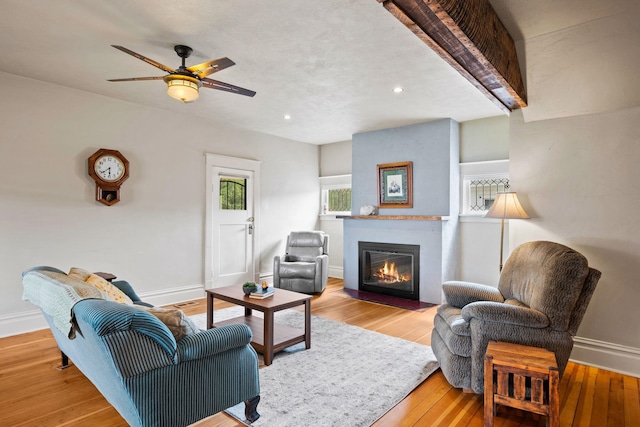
column 233, row 193
column 336, row 195
column 336, row 200
column 480, row 182
column 482, row 192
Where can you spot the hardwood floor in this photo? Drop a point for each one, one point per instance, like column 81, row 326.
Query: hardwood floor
column 34, row 393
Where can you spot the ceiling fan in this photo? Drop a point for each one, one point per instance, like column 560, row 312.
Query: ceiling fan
column 185, row 82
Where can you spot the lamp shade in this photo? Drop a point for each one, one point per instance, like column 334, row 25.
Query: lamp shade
column 507, row 206
column 183, row 88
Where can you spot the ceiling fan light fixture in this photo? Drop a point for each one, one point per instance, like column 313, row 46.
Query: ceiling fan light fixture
column 183, row 89
column 185, row 82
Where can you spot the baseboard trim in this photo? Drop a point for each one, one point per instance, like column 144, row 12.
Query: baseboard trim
column 21, row 323
column 33, row 320
column 173, row 295
column 337, row 272
column 605, row 355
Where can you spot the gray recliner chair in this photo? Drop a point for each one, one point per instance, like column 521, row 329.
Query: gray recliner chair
column 305, row 265
column 542, row 295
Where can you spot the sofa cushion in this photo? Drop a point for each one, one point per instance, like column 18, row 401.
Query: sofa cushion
column 178, row 323
column 79, row 273
column 112, row 292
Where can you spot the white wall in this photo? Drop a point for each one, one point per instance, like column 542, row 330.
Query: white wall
column 154, row 237
column 586, row 68
column 335, row 160
column 482, row 141
column 574, row 155
column 577, row 178
column 334, row 228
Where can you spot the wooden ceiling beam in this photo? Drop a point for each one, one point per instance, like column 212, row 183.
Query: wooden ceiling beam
column 469, row 36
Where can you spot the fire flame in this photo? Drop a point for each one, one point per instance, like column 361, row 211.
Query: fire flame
column 389, row 274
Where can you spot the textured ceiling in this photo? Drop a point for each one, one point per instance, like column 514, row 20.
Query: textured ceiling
column 330, row 64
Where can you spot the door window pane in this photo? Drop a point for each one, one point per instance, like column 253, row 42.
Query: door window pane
column 233, row 193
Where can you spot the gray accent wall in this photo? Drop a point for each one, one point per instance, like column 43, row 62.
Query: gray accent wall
column 433, row 148
column 428, row 145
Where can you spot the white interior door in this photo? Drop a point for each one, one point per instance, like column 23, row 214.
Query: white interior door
column 233, row 226
column 231, row 254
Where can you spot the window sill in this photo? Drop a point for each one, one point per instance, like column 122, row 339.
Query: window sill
column 329, row 217
column 477, row 218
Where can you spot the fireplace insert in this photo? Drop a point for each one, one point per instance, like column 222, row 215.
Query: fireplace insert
column 389, row 268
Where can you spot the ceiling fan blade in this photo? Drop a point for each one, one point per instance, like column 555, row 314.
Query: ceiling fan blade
column 145, row 59
column 215, row 84
column 135, row 79
column 210, row 67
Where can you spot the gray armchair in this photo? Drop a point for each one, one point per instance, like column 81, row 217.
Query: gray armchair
column 542, row 295
column 305, row 266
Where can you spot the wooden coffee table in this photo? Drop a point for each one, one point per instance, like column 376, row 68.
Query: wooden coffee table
column 268, row 337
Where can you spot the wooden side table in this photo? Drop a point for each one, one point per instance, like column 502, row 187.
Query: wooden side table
column 521, row 377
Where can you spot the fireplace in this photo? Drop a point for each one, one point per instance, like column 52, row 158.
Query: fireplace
column 389, row 268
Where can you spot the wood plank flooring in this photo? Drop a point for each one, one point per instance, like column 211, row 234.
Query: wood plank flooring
column 34, row 393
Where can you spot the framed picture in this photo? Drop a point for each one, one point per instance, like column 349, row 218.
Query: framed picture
column 395, row 185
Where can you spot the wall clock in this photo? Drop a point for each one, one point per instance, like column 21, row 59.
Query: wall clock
column 109, row 169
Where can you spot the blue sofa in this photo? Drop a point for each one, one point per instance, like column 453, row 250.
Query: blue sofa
column 134, row 360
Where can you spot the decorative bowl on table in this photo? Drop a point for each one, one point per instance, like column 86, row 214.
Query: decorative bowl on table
column 249, row 287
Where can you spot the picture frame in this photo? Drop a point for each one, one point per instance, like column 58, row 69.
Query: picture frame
column 395, row 185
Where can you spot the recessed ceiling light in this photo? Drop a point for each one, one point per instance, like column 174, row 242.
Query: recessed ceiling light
column 287, row 117
column 397, row 89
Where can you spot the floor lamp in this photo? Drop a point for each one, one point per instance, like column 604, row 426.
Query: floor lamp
column 506, row 206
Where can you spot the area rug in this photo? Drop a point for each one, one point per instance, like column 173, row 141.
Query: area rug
column 388, row 300
column 349, row 377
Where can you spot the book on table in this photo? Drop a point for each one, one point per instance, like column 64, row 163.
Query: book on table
column 262, row 293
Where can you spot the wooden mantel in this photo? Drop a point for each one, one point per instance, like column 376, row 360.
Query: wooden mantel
column 396, row 217
column 469, row 36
